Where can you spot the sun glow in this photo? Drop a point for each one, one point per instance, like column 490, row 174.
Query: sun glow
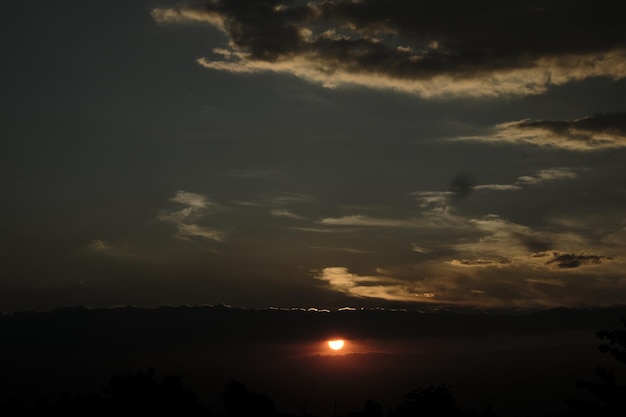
column 336, row 344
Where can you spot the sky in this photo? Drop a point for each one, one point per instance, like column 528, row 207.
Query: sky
column 459, row 153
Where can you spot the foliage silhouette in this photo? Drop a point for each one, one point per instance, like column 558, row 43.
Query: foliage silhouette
column 240, row 402
column 432, row 401
column 137, row 394
column 370, row 409
column 141, row 393
column 610, row 397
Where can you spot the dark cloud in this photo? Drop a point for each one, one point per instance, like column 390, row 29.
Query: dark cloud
column 570, row 260
column 534, row 243
column 602, row 122
column 596, row 132
column 262, row 28
column 398, row 43
column 461, row 186
column 481, row 262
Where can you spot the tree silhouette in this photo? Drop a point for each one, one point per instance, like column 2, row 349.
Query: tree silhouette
column 370, row 409
column 142, row 394
column 610, row 397
column 240, row 402
column 138, row 394
column 433, row 401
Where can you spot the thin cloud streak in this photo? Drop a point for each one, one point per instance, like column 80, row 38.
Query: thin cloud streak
column 108, row 249
column 440, row 202
column 286, row 214
column 365, row 221
column 548, row 175
column 591, row 133
column 335, row 249
column 497, row 187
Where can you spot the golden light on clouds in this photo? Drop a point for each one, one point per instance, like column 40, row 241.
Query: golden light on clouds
column 598, row 132
column 364, row 52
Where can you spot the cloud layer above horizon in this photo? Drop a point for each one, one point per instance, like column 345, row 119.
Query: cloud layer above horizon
column 320, row 153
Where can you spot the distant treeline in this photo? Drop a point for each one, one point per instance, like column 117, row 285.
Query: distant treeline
column 143, row 394
column 217, row 323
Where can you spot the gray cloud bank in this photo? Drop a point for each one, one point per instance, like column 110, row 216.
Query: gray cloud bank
column 428, row 48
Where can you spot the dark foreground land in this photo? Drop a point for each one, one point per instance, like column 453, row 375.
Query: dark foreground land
column 235, row 362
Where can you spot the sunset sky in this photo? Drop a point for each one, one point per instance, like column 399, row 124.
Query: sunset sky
column 467, row 153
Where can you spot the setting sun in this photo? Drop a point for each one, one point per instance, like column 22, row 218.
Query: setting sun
column 336, row 344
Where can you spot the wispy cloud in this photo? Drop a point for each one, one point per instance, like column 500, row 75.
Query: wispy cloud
column 197, row 206
column 500, row 241
column 193, row 230
column 365, row 221
column 261, row 174
column 434, row 49
column 591, row 133
column 286, row 213
column 547, row 175
column 321, row 229
column 434, row 201
column 336, row 249
column 497, row 187
column 193, row 200
column 185, row 13
column 440, row 202
column 279, row 201
column 109, row 249
column 98, row 245
column 419, row 249
column 288, row 198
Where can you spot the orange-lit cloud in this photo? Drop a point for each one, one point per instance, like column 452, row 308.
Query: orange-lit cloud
column 386, row 288
column 549, row 174
column 441, row 49
column 493, row 262
column 187, row 14
column 488, row 283
column 591, row 133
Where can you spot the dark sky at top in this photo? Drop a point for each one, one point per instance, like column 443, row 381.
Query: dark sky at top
column 322, row 153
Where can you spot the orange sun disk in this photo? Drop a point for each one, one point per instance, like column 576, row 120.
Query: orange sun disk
column 336, row 344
